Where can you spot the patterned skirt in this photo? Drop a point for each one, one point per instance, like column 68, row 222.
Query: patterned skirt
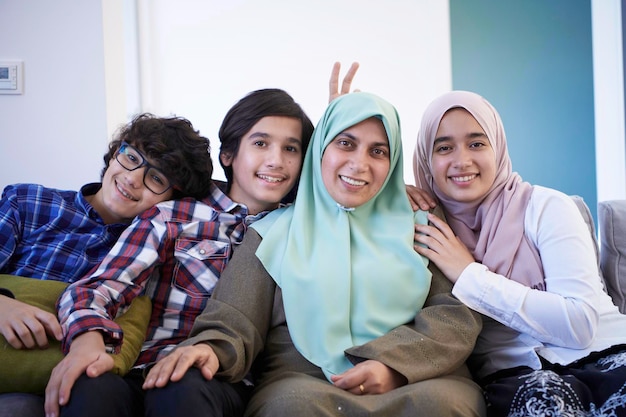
column 590, row 387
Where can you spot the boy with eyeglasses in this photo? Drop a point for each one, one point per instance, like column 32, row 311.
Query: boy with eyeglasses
column 51, row 234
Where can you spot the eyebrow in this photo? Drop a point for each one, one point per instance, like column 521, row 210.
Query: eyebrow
column 350, row 135
column 260, row 134
column 477, row 135
column 295, row 140
column 381, row 144
column 472, row 135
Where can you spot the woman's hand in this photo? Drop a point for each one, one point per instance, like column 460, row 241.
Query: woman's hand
column 420, row 199
column 442, row 247
column 369, row 377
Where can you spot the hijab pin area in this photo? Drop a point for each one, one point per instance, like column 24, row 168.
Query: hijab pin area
column 345, row 208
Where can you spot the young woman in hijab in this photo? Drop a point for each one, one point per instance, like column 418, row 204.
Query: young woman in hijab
column 552, row 342
column 327, row 302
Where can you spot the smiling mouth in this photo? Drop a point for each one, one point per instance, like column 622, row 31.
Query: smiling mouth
column 270, row 179
column 352, row 181
column 465, row 178
column 124, row 193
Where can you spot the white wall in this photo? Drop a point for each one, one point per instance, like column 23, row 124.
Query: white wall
column 200, row 57
column 54, row 133
column 609, row 99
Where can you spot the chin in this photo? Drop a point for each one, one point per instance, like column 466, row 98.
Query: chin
column 350, row 204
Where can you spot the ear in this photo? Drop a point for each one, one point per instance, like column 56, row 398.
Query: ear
column 226, row 158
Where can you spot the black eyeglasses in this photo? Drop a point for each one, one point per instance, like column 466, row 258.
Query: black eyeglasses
column 131, row 159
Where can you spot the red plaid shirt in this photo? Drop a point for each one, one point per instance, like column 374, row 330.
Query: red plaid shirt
column 174, row 253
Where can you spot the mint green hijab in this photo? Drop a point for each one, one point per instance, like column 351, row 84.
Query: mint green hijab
column 348, row 276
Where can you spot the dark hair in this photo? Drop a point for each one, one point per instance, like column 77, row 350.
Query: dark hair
column 252, row 108
column 174, row 146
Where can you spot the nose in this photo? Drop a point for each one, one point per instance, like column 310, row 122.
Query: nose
column 359, row 161
column 134, row 178
column 462, row 159
column 275, row 157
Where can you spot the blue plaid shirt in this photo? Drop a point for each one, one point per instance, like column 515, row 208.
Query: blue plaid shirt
column 174, row 253
column 52, row 234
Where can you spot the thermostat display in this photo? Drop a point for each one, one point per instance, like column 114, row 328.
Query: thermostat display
column 11, row 77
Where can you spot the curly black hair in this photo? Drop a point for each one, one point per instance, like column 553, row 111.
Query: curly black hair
column 175, row 148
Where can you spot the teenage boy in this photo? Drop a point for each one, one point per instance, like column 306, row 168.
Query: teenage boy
column 52, row 234
column 174, row 253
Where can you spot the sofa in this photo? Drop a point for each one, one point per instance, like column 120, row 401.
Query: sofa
column 610, row 245
column 612, row 231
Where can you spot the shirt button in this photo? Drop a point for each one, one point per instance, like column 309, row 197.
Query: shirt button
column 202, row 251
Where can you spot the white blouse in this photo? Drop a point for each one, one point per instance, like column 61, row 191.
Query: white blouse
column 571, row 319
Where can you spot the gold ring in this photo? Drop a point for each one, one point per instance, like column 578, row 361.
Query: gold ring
column 362, row 388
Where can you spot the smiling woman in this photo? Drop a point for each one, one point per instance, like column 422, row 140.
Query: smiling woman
column 522, row 256
column 355, row 164
column 464, row 163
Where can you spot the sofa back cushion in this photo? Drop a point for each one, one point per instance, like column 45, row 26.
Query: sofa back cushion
column 612, row 225
column 586, row 213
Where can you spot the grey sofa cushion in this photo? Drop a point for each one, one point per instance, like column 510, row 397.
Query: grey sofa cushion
column 612, row 221
column 586, row 213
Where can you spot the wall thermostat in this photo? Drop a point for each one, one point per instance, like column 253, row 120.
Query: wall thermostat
column 11, row 77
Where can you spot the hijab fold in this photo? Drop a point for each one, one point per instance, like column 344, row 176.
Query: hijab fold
column 492, row 228
column 348, row 275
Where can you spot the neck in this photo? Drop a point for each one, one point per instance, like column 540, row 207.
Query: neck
column 96, row 202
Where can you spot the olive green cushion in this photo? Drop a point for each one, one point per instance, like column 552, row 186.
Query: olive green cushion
column 24, row 370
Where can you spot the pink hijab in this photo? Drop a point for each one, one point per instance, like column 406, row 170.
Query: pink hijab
column 493, row 228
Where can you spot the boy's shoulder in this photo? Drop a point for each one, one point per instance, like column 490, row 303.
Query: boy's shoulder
column 36, row 192
column 182, row 210
column 188, row 209
column 217, row 200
